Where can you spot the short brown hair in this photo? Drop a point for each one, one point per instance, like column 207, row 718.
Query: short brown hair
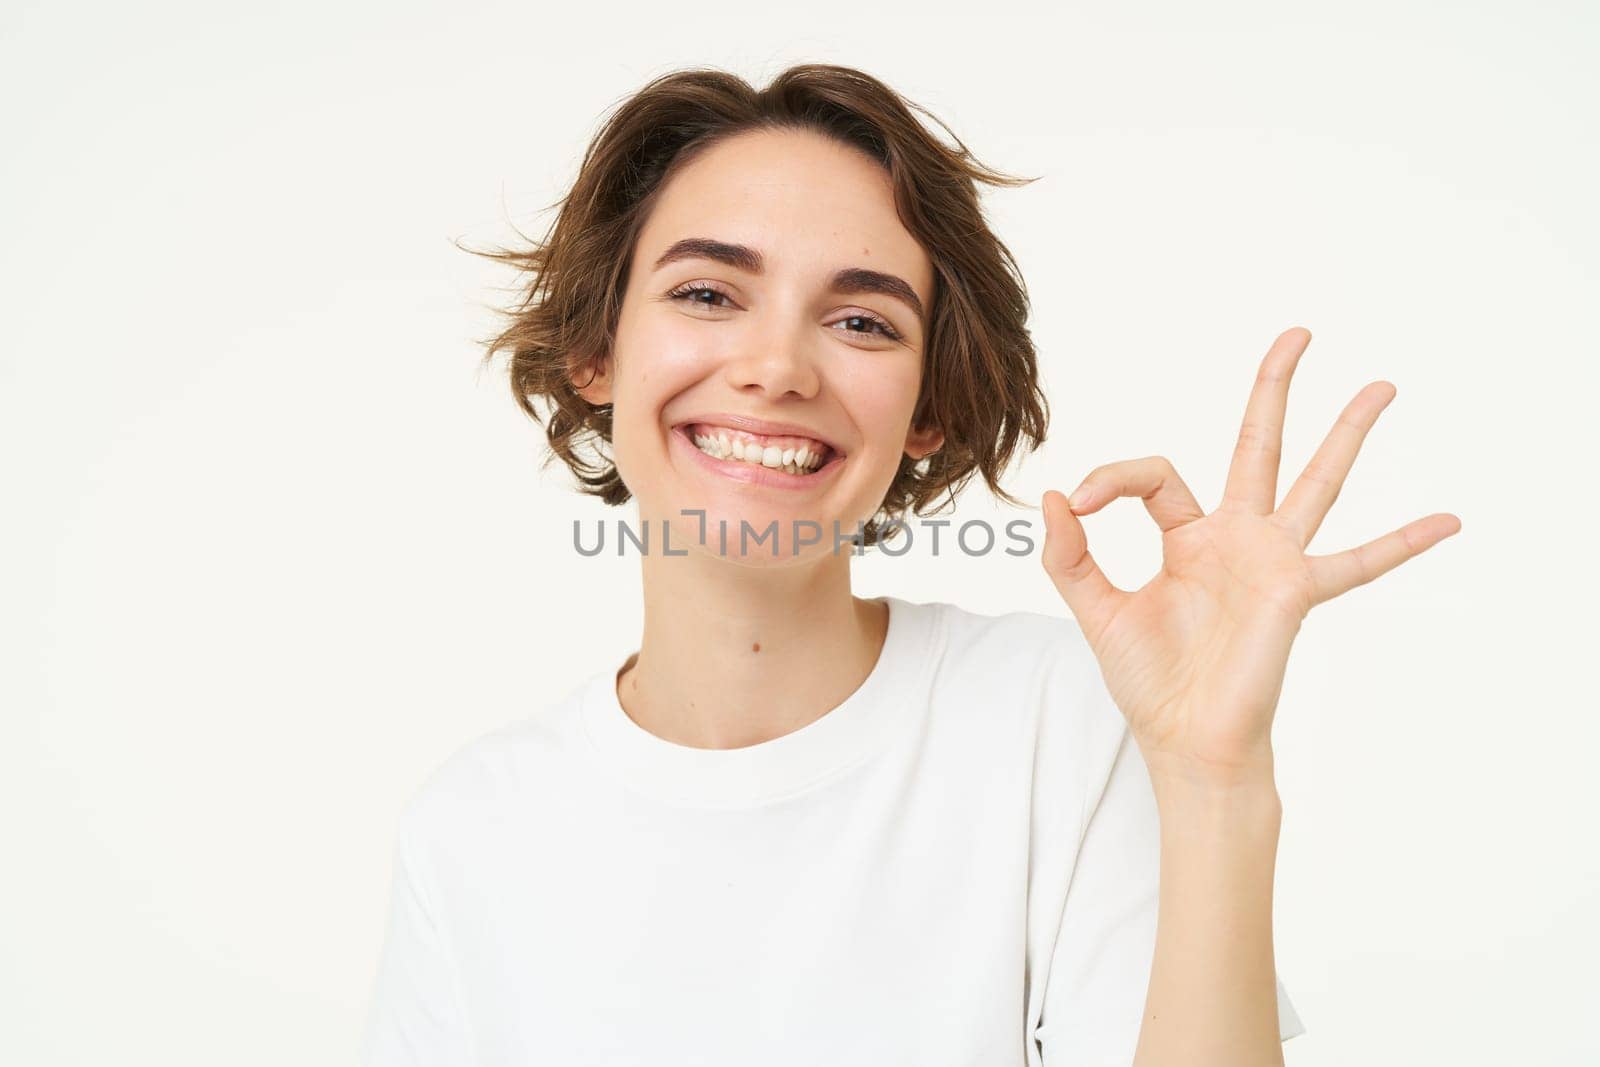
column 980, row 382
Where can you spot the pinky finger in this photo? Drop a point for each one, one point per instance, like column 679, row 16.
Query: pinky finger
column 1342, row 571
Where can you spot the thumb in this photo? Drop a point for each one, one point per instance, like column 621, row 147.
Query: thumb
column 1078, row 578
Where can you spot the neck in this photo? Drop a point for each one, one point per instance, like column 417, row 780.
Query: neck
column 733, row 655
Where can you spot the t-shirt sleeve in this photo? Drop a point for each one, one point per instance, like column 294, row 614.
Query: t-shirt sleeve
column 1100, row 968
column 414, row 1015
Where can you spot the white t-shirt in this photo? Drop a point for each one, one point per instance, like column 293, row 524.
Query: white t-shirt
column 956, row 865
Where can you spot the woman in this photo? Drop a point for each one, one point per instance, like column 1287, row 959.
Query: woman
column 801, row 827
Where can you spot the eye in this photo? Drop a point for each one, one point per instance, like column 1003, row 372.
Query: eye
column 691, row 291
column 696, row 293
column 874, row 323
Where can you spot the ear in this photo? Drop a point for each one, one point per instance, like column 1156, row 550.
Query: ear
column 592, row 379
column 920, row 443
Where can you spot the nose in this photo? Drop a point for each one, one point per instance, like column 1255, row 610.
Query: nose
column 777, row 362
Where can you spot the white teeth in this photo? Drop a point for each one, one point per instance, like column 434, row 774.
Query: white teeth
column 801, row 460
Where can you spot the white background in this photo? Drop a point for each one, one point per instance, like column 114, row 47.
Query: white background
column 274, row 545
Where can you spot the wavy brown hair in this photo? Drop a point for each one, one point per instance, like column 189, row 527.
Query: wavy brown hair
column 980, row 382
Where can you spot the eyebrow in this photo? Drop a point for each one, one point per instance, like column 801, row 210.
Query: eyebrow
column 847, row 280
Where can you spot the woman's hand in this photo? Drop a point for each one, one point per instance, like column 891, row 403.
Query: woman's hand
column 1195, row 658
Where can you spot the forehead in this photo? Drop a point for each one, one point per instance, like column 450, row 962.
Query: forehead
column 809, row 204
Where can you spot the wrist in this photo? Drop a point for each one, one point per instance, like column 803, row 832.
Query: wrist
column 1206, row 828
column 1244, row 790
column 1242, row 814
column 1246, row 772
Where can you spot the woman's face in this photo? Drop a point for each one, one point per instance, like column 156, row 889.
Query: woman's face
column 775, row 311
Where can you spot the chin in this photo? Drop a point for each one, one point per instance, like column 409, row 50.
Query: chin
column 755, row 536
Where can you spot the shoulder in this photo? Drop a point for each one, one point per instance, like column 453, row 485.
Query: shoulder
column 1015, row 652
column 1038, row 673
column 500, row 771
column 1007, row 635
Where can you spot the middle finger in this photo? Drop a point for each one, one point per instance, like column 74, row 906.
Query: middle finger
column 1253, row 475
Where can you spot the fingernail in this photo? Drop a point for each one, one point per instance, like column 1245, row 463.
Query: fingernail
column 1080, row 498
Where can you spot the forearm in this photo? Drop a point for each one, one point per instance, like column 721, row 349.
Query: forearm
column 1213, row 986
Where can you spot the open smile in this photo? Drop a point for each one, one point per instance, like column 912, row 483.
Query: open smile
column 779, row 461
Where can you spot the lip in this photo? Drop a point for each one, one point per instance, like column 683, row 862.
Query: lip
column 763, row 427
column 753, row 473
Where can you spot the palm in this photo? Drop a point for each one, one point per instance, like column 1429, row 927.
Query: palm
column 1195, row 658
column 1213, row 629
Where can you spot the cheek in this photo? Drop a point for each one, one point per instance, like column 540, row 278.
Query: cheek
column 881, row 397
column 657, row 359
column 660, row 358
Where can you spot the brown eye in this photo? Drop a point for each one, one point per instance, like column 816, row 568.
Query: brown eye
column 874, row 325
column 692, row 294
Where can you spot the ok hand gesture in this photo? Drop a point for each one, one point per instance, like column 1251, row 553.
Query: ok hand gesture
column 1195, row 658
